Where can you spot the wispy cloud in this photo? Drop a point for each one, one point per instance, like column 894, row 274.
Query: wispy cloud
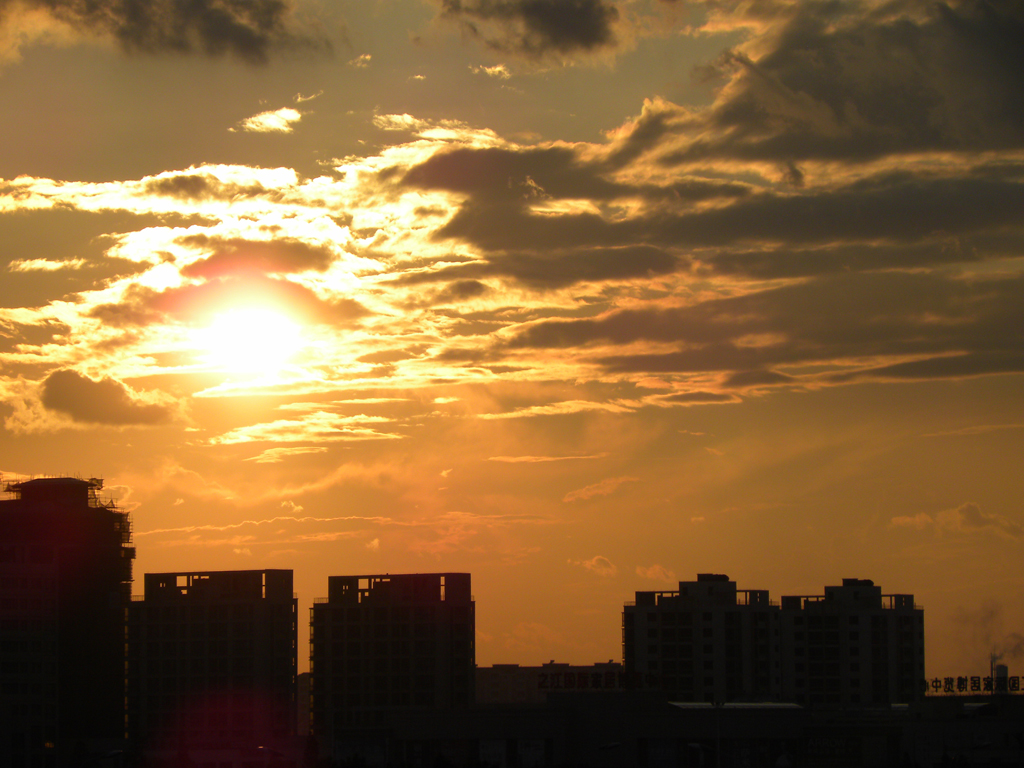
column 319, row 426
column 267, row 521
column 978, row 429
column 599, row 564
column 657, row 573
column 277, row 455
column 543, row 459
column 44, row 265
column 606, row 487
column 967, row 518
column 564, row 408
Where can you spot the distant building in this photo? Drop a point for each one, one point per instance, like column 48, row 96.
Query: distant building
column 710, row 642
column 515, row 684
column 65, row 582
column 706, row 642
column 383, row 643
column 853, row 646
column 212, row 659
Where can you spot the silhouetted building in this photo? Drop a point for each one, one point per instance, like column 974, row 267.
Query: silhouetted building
column 212, row 662
column 382, row 644
column 853, row 646
column 706, row 642
column 710, row 642
column 515, row 684
column 65, row 582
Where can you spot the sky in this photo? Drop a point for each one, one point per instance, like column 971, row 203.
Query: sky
column 583, row 297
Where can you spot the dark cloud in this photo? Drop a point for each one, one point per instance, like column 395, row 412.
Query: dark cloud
column 202, row 186
column 558, row 269
column 929, row 325
column 854, row 81
column 893, row 208
column 742, row 379
column 699, row 397
column 536, row 27
column 198, row 303
column 235, row 256
column 247, row 29
column 106, row 401
column 506, row 175
column 788, row 262
column 519, row 177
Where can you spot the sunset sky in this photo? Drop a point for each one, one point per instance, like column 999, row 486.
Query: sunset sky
column 583, row 297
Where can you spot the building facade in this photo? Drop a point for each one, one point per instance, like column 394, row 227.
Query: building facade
column 386, row 643
column 708, row 641
column 212, row 661
column 852, row 646
column 65, row 582
column 514, row 684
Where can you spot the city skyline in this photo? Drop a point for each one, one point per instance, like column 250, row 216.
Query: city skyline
column 582, row 297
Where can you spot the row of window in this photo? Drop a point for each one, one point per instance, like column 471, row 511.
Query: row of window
column 324, row 613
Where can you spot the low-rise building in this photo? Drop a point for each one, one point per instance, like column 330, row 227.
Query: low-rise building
column 515, row 684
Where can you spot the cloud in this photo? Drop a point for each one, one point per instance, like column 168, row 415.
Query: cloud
column 277, row 121
column 562, row 408
column 44, row 265
column 967, row 518
column 699, row 397
column 316, row 427
column 106, row 401
column 558, row 268
column 657, row 573
column 604, row 488
column 198, row 302
column 602, row 566
column 499, row 71
column 862, row 80
column 536, row 28
column 277, row 455
column 223, row 257
column 246, row 29
column 362, row 61
column 976, row 429
column 542, row 459
column 920, row 521
column 928, row 325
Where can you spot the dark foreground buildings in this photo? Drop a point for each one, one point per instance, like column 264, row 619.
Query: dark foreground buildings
column 712, row 675
column 709, row 642
column 65, row 582
column 389, row 647
column 212, row 664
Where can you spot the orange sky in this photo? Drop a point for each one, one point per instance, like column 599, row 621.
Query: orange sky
column 580, row 296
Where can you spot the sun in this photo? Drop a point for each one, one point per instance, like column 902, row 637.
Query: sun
column 250, row 340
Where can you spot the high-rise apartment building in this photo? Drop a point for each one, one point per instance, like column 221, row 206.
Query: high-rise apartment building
column 388, row 642
column 212, row 661
column 65, row 582
column 852, row 646
column 708, row 641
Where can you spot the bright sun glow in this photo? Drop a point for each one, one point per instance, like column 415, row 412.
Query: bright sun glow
column 255, row 341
